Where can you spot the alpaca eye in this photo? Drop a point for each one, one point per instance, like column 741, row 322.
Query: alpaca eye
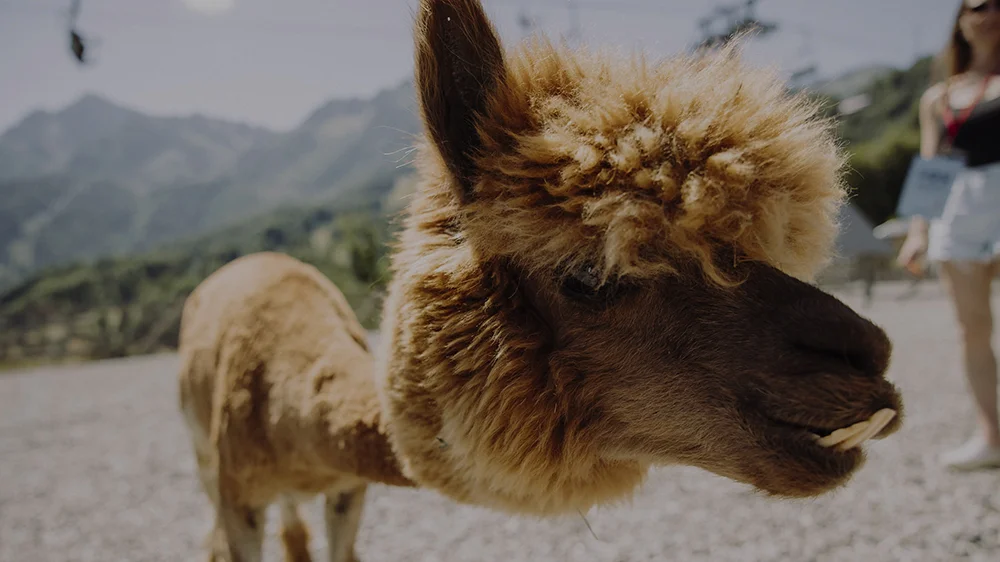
column 583, row 283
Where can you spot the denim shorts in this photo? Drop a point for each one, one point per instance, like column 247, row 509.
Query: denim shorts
column 969, row 227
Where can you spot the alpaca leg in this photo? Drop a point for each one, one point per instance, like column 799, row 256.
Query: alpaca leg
column 207, row 460
column 244, row 531
column 238, row 534
column 342, row 512
column 294, row 533
column 215, row 543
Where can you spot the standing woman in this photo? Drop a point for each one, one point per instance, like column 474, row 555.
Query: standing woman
column 961, row 115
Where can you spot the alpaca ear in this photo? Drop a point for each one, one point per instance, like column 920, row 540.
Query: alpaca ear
column 459, row 63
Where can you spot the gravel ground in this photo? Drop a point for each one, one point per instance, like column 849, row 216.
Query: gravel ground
column 95, row 466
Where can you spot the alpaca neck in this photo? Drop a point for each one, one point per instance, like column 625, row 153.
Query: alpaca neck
column 351, row 436
column 363, row 444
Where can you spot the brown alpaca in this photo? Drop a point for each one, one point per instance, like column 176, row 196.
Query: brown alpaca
column 605, row 268
column 277, row 391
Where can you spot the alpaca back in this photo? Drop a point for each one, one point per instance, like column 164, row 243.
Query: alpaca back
column 274, row 363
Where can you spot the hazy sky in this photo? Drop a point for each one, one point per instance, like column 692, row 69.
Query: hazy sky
column 271, row 62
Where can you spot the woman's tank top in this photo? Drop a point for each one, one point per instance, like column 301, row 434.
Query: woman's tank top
column 979, row 136
column 973, row 207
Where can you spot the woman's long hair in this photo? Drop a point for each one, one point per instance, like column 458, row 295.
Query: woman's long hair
column 957, row 54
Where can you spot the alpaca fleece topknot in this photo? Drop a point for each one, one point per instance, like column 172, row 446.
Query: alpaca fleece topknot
column 629, row 165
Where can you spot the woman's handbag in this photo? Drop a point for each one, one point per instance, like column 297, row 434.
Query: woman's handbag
column 928, row 181
column 928, row 185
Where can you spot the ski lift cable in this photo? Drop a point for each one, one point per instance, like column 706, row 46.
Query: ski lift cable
column 844, row 42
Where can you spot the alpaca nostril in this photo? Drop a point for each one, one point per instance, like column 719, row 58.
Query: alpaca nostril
column 858, row 359
column 824, row 331
column 833, row 330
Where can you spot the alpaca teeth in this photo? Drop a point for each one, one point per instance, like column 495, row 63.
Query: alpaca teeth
column 878, row 420
column 843, row 434
column 849, row 437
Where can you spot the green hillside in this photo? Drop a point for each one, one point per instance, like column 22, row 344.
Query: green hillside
column 115, row 307
column 883, row 137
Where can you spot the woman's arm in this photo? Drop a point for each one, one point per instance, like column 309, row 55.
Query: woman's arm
column 930, row 125
column 930, row 137
column 915, row 246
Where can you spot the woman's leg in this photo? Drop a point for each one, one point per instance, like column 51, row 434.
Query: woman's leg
column 968, row 283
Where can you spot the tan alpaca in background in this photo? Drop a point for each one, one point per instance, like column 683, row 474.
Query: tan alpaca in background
column 604, row 269
column 278, row 392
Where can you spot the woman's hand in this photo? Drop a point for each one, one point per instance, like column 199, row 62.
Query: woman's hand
column 914, row 248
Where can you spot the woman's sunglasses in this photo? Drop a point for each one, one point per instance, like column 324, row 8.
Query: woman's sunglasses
column 984, row 6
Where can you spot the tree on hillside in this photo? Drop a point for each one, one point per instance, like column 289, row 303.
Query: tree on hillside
column 882, row 139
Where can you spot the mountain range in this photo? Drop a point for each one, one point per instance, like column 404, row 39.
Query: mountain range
column 96, row 178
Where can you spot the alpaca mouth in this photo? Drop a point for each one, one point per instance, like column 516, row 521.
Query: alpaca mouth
column 843, row 439
column 802, row 460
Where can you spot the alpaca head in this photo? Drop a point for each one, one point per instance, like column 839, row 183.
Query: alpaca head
column 606, row 268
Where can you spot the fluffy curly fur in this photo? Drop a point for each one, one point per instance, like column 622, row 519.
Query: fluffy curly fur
column 590, row 158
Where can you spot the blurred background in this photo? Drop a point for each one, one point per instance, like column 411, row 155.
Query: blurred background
column 189, row 132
